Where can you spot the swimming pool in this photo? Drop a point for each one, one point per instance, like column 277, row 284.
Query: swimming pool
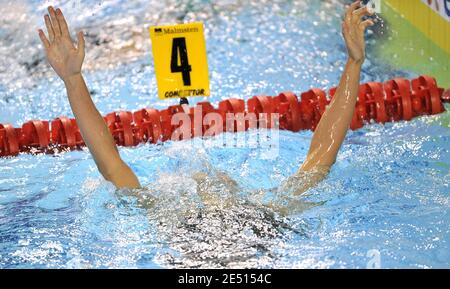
column 386, row 201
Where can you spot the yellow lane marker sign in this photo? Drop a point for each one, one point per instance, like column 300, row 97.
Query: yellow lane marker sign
column 181, row 66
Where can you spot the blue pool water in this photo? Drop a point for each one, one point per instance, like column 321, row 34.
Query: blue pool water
column 386, row 201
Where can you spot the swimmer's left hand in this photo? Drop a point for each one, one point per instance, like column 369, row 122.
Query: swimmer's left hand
column 63, row 56
column 353, row 28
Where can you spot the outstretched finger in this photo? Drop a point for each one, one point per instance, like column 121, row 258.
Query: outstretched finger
column 44, row 39
column 363, row 11
column 55, row 24
column 62, row 23
column 363, row 25
column 352, row 8
column 48, row 24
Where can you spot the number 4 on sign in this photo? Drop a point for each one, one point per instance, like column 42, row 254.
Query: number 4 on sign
column 181, row 66
column 179, row 49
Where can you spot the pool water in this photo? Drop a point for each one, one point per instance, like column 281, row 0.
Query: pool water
column 384, row 204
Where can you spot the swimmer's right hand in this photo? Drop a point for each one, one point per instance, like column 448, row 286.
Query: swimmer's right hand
column 63, row 56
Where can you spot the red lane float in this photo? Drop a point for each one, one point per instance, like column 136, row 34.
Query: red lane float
column 166, row 121
column 236, row 108
column 372, row 94
column 199, row 126
column 398, row 99
column 394, row 100
column 64, row 132
column 9, row 142
column 120, row 126
column 313, row 104
column 148, row 125
column 427, row 96
column 287, row 106
column 262, row 108
column 35, row 134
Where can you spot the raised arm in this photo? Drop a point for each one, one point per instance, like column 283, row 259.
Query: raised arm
column 332, row 127
column 66, row 60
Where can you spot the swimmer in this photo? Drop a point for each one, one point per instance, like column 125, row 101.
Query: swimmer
column 66, row 59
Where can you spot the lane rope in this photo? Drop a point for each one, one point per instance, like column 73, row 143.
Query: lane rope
column 395, row 100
